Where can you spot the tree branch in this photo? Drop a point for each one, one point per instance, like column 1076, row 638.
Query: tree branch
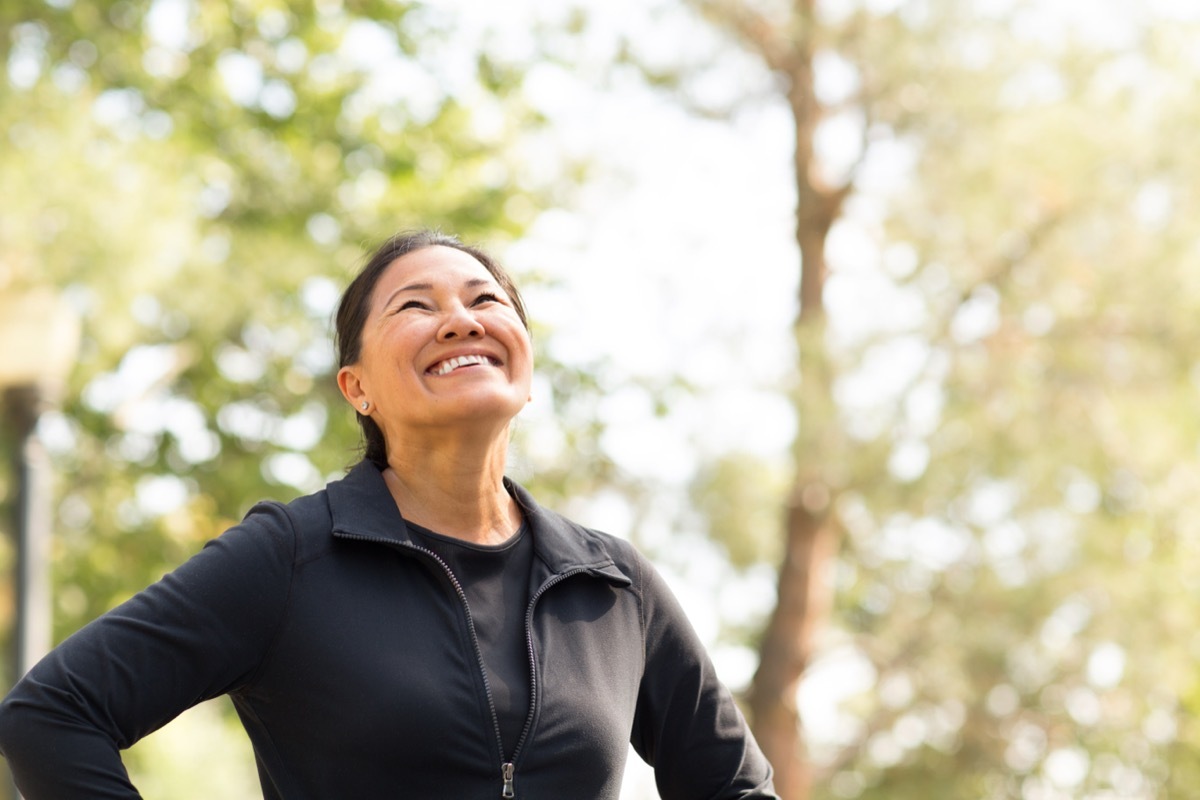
column 753, row 31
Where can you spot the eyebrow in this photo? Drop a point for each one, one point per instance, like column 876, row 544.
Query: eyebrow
column 427, row 287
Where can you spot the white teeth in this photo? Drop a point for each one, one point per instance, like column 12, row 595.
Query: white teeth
column 451, row 364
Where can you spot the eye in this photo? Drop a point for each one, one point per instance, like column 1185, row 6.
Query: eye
column 487, row 297
column 412, row 304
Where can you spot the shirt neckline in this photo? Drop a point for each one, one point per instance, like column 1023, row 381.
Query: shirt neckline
column 504, row 546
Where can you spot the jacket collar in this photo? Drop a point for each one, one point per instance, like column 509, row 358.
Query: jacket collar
column 362, row 506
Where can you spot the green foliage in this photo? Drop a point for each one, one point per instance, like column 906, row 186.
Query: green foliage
column 199, row 178
column 741, row 497
column 1050, row 221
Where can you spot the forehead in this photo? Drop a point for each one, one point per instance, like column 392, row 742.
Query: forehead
column 435, row 267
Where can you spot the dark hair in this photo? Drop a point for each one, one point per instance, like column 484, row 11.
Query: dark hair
column 355, row 307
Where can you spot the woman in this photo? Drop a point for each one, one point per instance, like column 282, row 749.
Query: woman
column 420, row 628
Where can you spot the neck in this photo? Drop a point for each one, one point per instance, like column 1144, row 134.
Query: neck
column 455, row 488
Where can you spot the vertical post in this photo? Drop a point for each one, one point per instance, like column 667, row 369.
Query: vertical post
column 31, row 526
column 39, row 338
column 31, row 509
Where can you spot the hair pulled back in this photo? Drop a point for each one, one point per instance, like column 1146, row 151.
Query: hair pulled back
column 355, row 307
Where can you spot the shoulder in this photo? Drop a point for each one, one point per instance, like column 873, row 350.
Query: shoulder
column 624, row 554
column 302, row 515
column 307, row 513
column 295, row 528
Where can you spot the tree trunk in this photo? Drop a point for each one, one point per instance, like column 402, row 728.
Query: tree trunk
column 788, row 640
column 804, row 600
column 803, row 603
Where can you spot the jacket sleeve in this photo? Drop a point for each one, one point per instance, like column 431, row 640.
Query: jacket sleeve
column 199, row 632
column 687, row 725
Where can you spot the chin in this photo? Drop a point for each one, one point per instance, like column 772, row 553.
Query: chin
column 482, row 408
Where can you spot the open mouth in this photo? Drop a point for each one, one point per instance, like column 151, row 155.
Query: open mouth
column 451, row 364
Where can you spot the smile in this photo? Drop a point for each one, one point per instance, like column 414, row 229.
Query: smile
column 451, row 364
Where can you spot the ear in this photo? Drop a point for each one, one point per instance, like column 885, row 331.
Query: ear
column 351, row 386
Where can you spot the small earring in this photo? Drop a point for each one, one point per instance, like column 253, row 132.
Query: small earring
column 365, row 405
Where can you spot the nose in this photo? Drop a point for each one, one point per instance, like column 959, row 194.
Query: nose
column 460, row 323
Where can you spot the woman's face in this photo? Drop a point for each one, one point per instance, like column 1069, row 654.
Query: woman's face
column 442, row 346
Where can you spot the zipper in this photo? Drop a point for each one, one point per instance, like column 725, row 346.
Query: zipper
column 533, row 682
column 507, row 768
column 506, row 771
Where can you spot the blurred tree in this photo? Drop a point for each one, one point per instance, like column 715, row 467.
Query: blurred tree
column 199, row 178
column 995, row 361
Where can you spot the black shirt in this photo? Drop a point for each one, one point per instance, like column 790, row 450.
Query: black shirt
column 495, row 579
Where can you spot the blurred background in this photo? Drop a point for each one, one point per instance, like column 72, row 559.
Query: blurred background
column 876, row 323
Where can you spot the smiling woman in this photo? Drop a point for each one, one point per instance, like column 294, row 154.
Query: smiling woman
column 362, row 303
column 419, row 628
column 435, row 357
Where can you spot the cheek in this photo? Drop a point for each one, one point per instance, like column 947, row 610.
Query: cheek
column 506, row 327
column 381, row 360
column 524, row 348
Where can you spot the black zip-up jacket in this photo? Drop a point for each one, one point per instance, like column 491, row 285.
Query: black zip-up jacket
column 349, row 653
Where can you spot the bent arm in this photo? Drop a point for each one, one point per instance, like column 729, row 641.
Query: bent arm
column 687, row 725
column 199, row 632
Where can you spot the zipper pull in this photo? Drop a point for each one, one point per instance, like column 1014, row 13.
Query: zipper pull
column 506, row 770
